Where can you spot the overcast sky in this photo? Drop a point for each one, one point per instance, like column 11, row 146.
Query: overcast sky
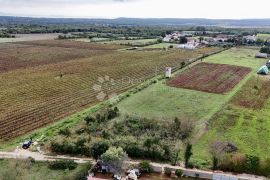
column 214, row 9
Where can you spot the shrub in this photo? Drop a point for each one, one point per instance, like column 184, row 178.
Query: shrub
column 145, row 167
column 134, row 150
column 65, row 132
column 89, row 119
column 183, row 64
column 98, row 149
column 265, row 50
column 188, row 154
column 80, row 175
column 62, row 165
column 178, row 172
column 167, row 171
column 253, row 163
column 265, row 167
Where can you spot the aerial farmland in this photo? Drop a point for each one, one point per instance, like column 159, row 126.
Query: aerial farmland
column 149, row 101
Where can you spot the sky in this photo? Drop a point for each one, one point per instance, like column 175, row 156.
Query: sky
column 212, row 9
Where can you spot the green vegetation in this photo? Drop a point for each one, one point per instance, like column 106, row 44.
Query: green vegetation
column 115, row 158
column 139, row 137
column 239, row 57
column 265, row 49
column 62, row 165
column 178, row 173
column 246, row 125
column 161, row 101
column 27, row 169
column 145, row 167
column 265, row 37
column 188, row 154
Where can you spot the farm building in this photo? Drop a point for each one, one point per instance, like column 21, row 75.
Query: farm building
column 251, row 39
column 168, row 72
column 188, row 46
column 261, row 55
column 263, row 70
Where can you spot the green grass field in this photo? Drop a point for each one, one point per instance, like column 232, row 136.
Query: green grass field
column 264, row 36
column 162, row 101
column 239, row 57
column 25, row 170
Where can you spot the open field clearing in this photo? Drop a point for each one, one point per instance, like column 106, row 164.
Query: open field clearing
column 29, row 37
column 208, row 77
column 265, row 37
column 136, row 42
column 254, row 93
column 35, row 96
column 163, row 102
column 26, row 170
column 238, row 57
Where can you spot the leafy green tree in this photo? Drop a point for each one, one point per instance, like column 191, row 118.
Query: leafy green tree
column 253, row 163
column 145, row 167
column 114, row 158
column 188, row 154
column 98, row 149
column 183, row 40
column 215, row 163
column 178, row 173
column 89, row 119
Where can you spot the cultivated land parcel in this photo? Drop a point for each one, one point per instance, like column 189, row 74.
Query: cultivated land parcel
column 44, row 81
column 49, row 80
column 218, row 117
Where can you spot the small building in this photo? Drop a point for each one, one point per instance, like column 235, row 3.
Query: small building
column 168, row 72
column 188, row 46
column 261, row 55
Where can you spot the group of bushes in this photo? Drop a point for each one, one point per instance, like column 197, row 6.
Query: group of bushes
column 139, row 137
column 241, row 163
column 168, row 172
column 6, row 35
column 62, row 165
column 265, row 49
column 104, row 116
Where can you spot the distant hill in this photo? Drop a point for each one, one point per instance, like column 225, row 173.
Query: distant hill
column 137, row 21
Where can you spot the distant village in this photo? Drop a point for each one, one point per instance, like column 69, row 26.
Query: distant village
column 192, row 41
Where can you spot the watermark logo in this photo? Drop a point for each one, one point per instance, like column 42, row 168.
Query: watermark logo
column 104, row 88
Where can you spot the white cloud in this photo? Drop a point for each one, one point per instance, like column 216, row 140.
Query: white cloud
column 215, row 9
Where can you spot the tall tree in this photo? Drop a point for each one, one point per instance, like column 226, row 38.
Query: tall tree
column 188, row 154
column 114, row 158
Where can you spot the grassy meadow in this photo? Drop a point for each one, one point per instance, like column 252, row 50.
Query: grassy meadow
column 265, row 37
column 26, row 170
